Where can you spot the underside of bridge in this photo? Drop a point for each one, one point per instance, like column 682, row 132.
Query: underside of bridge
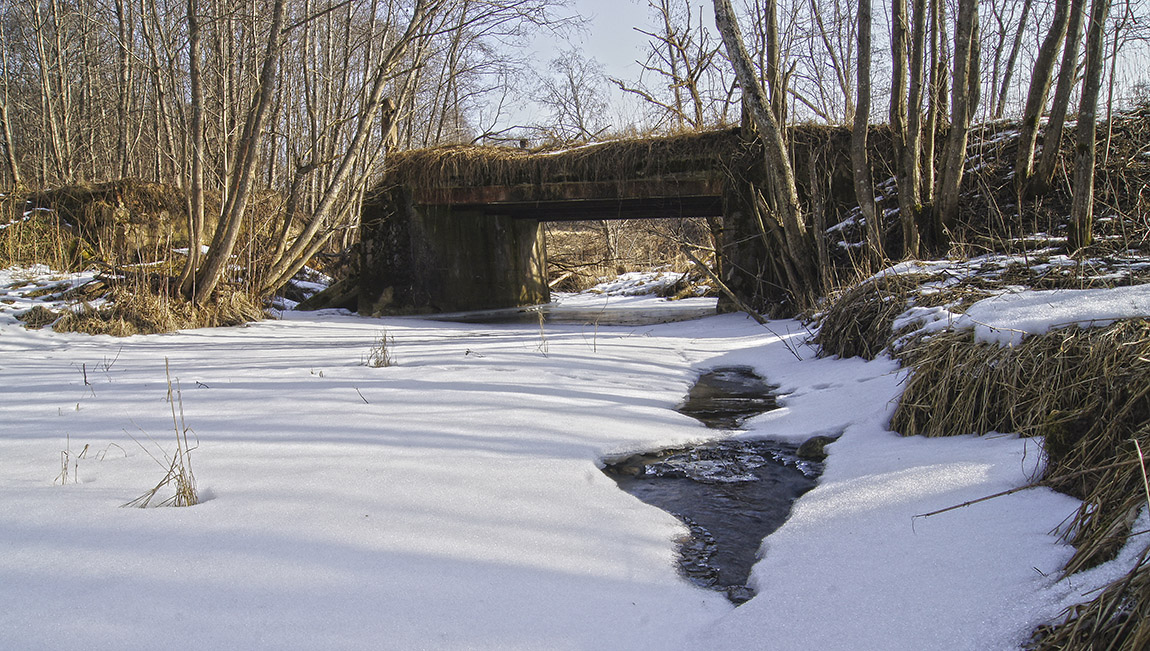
column 460, row 228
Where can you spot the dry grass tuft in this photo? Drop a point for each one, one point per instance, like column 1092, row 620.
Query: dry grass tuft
column 29, row 236
column 130, row 312
column 859, row 320
column 381, row 353
column 1118, row 619
column 38, row 317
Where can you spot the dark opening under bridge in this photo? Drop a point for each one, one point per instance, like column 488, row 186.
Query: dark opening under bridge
column 460, row 228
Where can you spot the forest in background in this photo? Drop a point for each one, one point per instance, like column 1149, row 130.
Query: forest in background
column 230, row 99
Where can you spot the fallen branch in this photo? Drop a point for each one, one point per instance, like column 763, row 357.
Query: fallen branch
column 743, row 307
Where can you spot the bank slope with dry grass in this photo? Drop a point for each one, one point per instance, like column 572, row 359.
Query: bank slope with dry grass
column 1085, row 391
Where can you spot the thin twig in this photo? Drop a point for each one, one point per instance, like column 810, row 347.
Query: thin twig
column 1026, row 487
column 1142, row 467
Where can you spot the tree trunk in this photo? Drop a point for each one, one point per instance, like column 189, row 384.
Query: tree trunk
column 937, row 100
column 1082, row 192
column 1119, row 28
column 294, row 258
column 1043, row 180
column 5, row 122
column 47, row 106
column 196, row 180
column 860, row 163
column 125, row 37
column 962, row 104
column 1040, row 83
column 910, row 174
column 63, row 93
column 907, row 197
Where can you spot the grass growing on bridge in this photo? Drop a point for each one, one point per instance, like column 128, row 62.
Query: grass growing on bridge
column 618, row 160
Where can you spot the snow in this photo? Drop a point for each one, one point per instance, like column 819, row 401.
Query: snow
column 455, row 501
column 637, row 283
column 183, row 250
column 1008, row 317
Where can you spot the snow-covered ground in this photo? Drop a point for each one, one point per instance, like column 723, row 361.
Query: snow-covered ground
column 454, row 500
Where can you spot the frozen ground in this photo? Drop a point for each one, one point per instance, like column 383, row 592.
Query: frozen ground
column 454, row 500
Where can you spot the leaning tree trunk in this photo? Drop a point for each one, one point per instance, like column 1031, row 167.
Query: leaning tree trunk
column 311, row 239
column 1040, row 83
column 783, row 198
column 860, row 165
column 1082, row 203
column 1043, row 179
column 1012, row 59
column 232, row 217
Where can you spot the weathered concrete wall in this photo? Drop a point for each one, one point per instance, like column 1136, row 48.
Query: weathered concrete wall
column 419, row 259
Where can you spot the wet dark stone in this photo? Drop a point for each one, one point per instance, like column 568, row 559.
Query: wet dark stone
column 731, row 494
column 814, row 448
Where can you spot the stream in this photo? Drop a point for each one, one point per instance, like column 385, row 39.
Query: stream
column 731, row 494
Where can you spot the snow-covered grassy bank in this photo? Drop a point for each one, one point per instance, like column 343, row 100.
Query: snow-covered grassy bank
column 454, row 500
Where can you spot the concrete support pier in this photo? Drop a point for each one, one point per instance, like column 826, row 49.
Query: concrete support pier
column 418, row 259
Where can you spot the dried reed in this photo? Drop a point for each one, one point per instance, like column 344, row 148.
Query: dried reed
column 380, row 355
column 859, row 321
column 144, row 311
column 178, row 465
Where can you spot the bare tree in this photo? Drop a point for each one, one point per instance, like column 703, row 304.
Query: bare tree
column 196, row 179
column 313, row 236
column 1043, row 179
column 963, row 99
column 781, row 200
column 689, row 90
column 825, row 72
column 574, row 94
column 210, row 272
column 1001, row 90
column 5, row 121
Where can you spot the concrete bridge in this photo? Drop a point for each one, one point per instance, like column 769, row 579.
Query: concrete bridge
column 460, row 228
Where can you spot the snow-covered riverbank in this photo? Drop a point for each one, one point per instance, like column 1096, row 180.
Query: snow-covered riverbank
column 454, row 500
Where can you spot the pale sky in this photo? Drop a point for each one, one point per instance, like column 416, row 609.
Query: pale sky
column 609, row 38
